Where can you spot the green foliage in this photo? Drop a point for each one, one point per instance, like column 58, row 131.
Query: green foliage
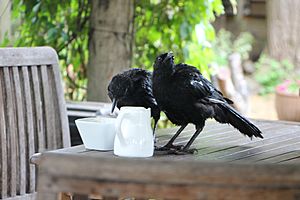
column 271, row 73
column 224, row 45
column 5, row 41
column 183, row 27
column 160, row 25
column 62, row 25
column 175, row 25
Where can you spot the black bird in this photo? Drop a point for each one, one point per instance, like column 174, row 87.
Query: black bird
column 187, row 97
column 133, row 88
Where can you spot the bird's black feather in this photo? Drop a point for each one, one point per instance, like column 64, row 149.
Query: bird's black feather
column 186, row 96
column 134, row 88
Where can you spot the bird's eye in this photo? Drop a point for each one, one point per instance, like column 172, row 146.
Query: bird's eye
column 159, row 58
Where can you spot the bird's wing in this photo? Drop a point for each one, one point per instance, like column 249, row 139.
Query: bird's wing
column 148, row 94
column 197, row 84
column 139, row 74
column 192, row 80
column 143, row 81
column 216, row 94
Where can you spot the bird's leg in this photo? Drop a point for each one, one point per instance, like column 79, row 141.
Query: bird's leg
column 154, row 127
column 170, row 144
column 186, row 149
column 154, row 136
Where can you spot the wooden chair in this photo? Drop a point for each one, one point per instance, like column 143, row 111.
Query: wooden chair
column 32, row 116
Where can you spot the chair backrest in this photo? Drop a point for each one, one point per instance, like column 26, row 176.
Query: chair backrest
column 32, row 115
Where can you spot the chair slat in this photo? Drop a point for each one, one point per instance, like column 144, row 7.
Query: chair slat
column 24, row 56
column 32, row 116
column 30, row 128
column 49, row 109
column 10, row 115
column 62, row 106
column 21, row 169
column 37, row 104
column 3, row 141
column 31, row 196
column 55, row 103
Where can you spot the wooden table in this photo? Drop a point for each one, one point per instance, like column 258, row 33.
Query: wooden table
column 227, row 166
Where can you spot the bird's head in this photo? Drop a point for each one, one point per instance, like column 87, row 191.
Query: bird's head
column 164, row 60
column 118, row 89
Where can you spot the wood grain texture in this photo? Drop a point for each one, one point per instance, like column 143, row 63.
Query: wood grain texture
column 282, row 18
column 170, row 191
column 48, row 117
column 23, row 197
column 61, row 105
column 21, row 141
column 38, row 109
column 24, row 56
column 170, row 178
column 30, row 113
column 109, row 44
column 3, row 141
column 240, row 169
column 29, row 128
column 12, row 131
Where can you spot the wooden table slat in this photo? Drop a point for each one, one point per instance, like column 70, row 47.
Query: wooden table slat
column 241, row 145
column 227, row 166
column 280, row 157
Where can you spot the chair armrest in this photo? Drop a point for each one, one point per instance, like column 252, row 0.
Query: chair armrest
column 35, row 158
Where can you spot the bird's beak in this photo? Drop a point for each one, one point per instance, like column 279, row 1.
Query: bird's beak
column 114, row 103
column 169, row 56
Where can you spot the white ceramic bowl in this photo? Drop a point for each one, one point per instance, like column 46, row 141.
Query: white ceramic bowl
column 97, row 133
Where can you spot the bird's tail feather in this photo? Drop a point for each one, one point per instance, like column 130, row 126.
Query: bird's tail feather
column 232, row 117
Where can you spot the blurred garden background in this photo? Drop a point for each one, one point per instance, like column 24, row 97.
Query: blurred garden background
column 250, row 49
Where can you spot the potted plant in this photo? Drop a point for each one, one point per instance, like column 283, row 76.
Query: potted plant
column 283, row 79
column 287, row 100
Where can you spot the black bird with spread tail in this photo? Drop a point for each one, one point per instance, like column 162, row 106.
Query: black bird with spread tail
column 133, row 88
column 187, row 97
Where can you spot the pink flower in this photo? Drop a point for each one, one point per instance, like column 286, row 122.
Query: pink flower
column 288, row 86
column 281, row 88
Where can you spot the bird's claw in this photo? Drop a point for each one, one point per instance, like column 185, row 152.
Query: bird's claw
column 169, row 148
column 176, row 149
column 182, row 151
